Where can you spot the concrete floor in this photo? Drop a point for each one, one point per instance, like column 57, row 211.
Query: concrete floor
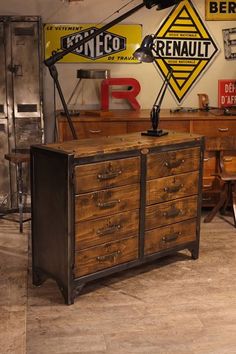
column 173, row 306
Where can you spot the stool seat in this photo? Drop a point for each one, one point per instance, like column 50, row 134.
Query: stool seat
column 17, row 157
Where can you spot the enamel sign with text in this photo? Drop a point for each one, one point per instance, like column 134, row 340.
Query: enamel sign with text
column 112, row 46
column 185, row 46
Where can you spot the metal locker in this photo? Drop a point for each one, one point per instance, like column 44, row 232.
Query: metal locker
column 21, row 118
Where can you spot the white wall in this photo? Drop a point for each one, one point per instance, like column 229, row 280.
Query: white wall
column 90, row 11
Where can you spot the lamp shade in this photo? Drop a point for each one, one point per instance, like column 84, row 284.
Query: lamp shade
column 144, row 53
column 160, row 4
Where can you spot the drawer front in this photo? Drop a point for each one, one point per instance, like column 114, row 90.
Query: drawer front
column 172, row 187
column 172, row 162
column 107, row 174
column 106, row 202
column 105, row 256
column 210, row 198
column 219, row 127
column 208, row 183
column 96, row 129
column 171, row 212
column 90, row 129
column 209, row 166
column 180, row 126
column 170, row 236
column 103, row 230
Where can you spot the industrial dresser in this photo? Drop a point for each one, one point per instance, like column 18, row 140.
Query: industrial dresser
column 104, row 205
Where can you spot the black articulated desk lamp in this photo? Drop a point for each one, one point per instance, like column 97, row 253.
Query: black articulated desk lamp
column 51, row 61
column 145, row 55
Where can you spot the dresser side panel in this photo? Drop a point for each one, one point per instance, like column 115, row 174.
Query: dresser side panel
column 51, row 212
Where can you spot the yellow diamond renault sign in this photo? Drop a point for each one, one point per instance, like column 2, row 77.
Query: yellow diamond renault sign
column 184, row 46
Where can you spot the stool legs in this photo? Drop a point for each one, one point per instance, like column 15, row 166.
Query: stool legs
column 219, row 205
column 20, row 193
column 18, row 159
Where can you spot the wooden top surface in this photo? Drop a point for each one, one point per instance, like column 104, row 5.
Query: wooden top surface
column 118, row 143
column 144, row 114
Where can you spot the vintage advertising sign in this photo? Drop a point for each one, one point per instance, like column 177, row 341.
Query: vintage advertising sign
column 184, row 45
column 229, row 38
column 226, row 93
column 115, row 45
column 220, row 10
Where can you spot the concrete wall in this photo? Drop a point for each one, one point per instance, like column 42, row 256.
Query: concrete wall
column 90, row 11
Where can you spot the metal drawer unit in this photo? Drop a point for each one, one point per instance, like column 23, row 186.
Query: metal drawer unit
column 112, row 203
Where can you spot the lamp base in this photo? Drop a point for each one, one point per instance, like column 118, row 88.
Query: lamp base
column 158, row 132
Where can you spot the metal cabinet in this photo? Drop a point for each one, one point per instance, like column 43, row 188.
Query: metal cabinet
column 21, row 118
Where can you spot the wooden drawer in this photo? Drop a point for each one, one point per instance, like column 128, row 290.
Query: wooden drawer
column 218, row 127
column 210, row 198
column 107, row 174
column 172, row 187
column 181, row 126
column 208, row 183
column 103, row 230
column 172, row 162
column 171, row 212
column 90, row 129
column 209, row 166
column 105, row 256
column 170, row 236
column 106, row 202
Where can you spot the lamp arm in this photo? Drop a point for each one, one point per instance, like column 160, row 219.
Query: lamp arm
column 155, row 112
column 53, row 59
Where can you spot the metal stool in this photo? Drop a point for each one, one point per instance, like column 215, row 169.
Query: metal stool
column 18, row 159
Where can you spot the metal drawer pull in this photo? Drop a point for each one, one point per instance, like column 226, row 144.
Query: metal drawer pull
column 206, row 159
column 207, row 185
column 173, row 189
column 109, row 230
column 227, row 159
column 108, row 257
column 207, row 199
column 108, row 175
column 94, row 131
column 110, row 204
column 172, row 213
column 171, row 238
column 174, row 164
column 223, row 130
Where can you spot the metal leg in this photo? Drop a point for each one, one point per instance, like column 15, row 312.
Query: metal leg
column 20, row 193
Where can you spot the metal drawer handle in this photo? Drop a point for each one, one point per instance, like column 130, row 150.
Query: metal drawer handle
column 206, row 159
column 109, row 230
column 171, row 238
column 207, row 199
column 109, row 175
column 94, row 131
column 109, row 257
column 172, row 213
column 207, row 185
column 174, row 164
column 173, row 189
column 223, row 130
column 227, row 159
column 107, row 205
